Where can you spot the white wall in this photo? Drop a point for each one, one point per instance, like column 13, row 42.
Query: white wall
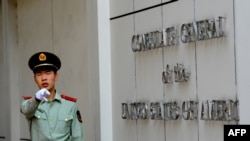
column 9, row 73
column 136, row 76
column 63, row 27
column 3, row 117
column 242, row 58
column 216, row 64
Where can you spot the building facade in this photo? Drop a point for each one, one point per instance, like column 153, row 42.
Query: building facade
column 141, row 70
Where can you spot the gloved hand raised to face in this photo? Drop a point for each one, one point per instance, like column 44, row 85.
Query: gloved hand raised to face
column 42, row 94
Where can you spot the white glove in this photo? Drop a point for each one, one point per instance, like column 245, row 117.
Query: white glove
column 42, row 94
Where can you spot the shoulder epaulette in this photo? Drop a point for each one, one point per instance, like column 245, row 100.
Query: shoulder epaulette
column 27, row 97
column 68, row 98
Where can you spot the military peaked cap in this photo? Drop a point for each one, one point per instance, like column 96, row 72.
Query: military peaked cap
column 44, row 60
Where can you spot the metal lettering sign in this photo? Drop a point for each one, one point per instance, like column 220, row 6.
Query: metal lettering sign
column 202, row 30
column 189, row 32
column 167, row 76
column 142, row 110
column 181, row 74
column 155, row 111
column 125, row 112
column 171, row 111
column 223, row 110
column 172, row 37
column 190, row 110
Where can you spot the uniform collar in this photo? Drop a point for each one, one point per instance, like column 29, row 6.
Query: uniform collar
column 57, row 97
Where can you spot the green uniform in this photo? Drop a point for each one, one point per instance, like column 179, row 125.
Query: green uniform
column 57, row 120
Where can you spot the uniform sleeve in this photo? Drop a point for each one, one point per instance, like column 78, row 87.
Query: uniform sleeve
column 28, row 107
column 77, row 130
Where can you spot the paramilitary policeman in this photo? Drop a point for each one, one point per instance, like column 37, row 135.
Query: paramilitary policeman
column 51, row 116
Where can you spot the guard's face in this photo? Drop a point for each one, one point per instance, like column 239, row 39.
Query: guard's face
column 45, row 79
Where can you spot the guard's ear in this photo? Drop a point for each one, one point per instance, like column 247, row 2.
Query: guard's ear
column 56, row 76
